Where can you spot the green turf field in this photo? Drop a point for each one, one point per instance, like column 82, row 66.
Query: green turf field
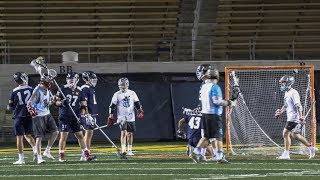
column 154, row 161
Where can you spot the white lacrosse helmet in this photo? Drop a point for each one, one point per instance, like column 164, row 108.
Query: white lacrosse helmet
column 123, row 83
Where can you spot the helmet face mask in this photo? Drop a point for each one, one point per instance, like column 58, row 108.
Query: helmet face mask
column 45, row 80
column 286, row 82
column 72, row 79
column 89, row 77
column 123, row 84
column 205, row 71
column 21, row 78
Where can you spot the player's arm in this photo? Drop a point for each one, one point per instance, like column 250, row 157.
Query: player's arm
column 138, row 106
column 58, row 100
column 181, row 123
column 10, row 106
column 35, row 98
column 297, row 105
column 216, row 95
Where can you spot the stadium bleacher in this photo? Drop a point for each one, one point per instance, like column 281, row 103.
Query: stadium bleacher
column 245, row 28
column 104, row 28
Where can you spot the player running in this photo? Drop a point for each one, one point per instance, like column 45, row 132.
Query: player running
column 22, row 119
column 67, row 120
column 124, row 101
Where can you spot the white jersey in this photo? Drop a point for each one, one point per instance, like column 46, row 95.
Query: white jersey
column 208, row 92
column 125, row 105
column 41, row 100
column 291, row 100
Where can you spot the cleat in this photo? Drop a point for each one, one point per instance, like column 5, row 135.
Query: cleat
column 223, row 160
column 130, row 153
column 82, row 158
column 48, row 155
column 202, row 158
column 34, row 158
column 194, row 157
column 88, row 156
column 19, row 162
column 40, row 161
column 312, row 152
column 62, row 158
column 283, row 157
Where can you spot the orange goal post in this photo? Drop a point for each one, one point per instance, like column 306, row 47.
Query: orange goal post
column 251, row 127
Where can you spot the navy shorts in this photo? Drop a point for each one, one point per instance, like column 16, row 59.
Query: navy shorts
column 67, row 123
column 194, row 141
column 290, row 125
column 88, row 126
column 23, row 126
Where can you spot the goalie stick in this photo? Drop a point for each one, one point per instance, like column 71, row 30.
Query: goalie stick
column 40, row 66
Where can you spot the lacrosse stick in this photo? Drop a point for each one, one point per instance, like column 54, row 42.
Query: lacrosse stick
column 41, row 67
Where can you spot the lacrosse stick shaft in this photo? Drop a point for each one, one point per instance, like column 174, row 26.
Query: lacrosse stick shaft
column 98, row 127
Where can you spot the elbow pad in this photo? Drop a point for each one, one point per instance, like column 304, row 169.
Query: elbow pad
column 112, row 108
column 137, row 105
column 220, row 102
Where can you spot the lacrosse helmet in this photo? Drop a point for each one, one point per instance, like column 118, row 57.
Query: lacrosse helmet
column 90, row 78
column 206, row 71
column 286, row 82
column 45, row 80
column 72, row 79
column 123, row 83
column 20, row 78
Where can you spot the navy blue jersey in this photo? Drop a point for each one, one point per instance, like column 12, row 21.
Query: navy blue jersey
column 89, row 95
column 194, row 126
column 74, row 96
column 20, row 96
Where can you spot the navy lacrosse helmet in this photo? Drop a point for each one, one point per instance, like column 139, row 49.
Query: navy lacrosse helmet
column 287, row 80
column 72, row 79
column 205, row 70
column 123, row 83
column 90, row 77
column 20, row 77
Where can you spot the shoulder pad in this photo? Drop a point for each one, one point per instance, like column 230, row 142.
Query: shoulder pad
column 84, row 86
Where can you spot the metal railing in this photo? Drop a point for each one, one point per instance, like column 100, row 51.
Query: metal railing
column 154, row 51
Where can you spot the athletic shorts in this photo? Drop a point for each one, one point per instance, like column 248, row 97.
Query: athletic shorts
column 67, row 123
column 129, row 126
column 23, row 126
column 291, row 125
column 194, row 141
column 43, row 124
column 89, row 126
column 212, row 126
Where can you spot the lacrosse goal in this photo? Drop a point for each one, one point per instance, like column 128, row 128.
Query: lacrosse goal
column 250, row 126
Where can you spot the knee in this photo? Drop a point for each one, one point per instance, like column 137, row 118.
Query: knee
column 129, row 134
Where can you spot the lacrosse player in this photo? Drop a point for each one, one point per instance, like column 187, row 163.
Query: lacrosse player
column 67, row 119
column 212, row 107
column 22, row 119
column 88, row 107
column 38, row 107
column 295, row 119
column 193, row 119
column 124, row 101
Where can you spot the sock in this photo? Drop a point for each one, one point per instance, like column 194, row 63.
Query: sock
column 214, row 152
column 34, row 149
column 129, row 147
column 123, row 146
column 286, row 153
column 219, row 154
column 21, row 156
column 48, row 149
column 197, row 150
column 203, row 151
column 61, row 151
column 39, row 157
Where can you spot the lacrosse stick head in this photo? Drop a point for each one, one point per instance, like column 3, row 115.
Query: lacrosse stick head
column 121, row 155
column 40, row 66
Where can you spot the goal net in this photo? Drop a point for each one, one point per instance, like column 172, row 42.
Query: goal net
column 250, row 126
